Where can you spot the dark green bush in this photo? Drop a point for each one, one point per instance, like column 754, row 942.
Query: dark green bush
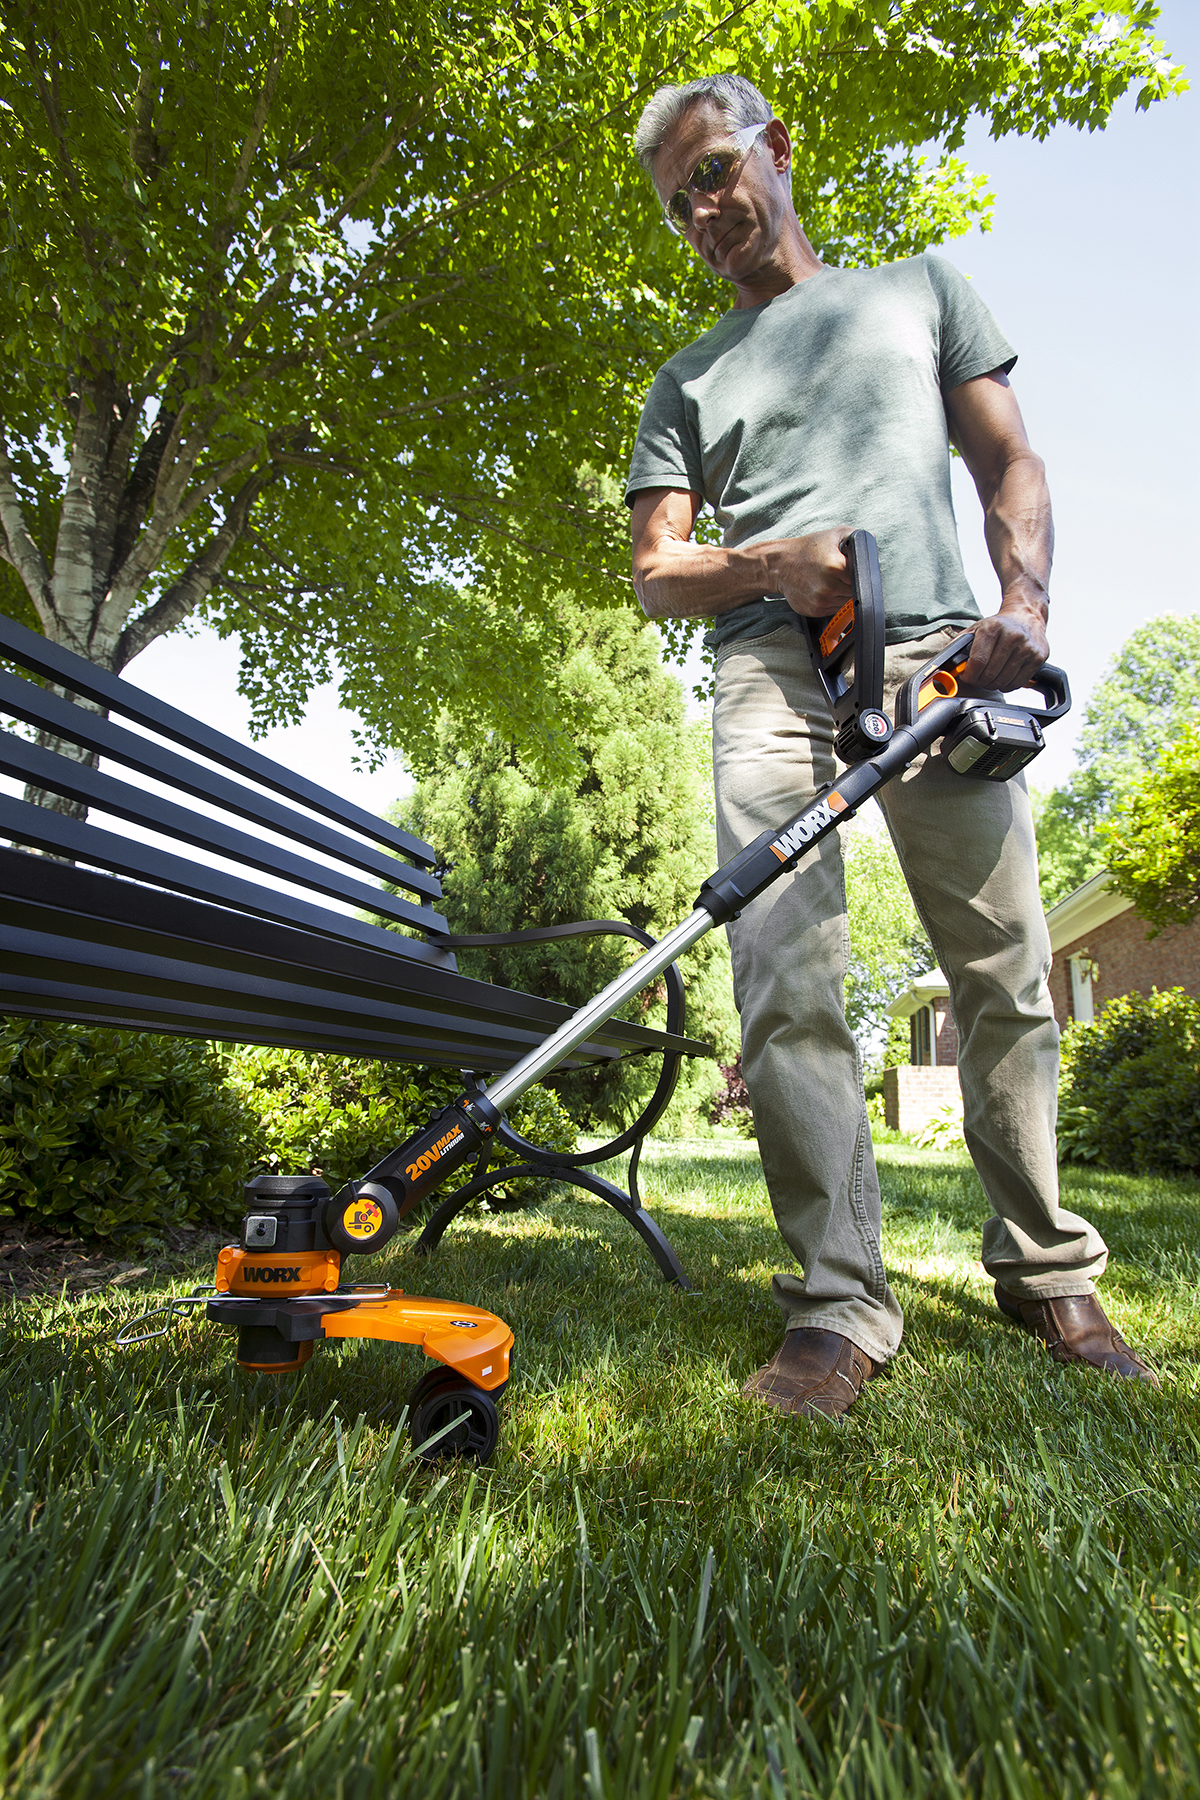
column 1130, row 1091
column 119, row 1134
column 116, row 1134
column 339, row 1114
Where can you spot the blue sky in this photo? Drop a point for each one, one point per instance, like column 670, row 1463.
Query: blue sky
column 1091, row 268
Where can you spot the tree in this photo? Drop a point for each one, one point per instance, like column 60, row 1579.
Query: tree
column 888, row 945
column 1068, row 848
column 1147, row 700
column 1152, row 842
column 323, row 318
column 628, row 838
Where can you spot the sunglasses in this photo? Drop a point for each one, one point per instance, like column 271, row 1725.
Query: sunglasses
column 715, row 170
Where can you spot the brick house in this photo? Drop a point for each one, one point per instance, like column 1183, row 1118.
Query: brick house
column 1102, row 949
column 915, row 1091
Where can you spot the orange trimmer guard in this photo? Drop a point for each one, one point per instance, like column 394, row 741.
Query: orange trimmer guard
column 282, row 1305
column 468, row 1340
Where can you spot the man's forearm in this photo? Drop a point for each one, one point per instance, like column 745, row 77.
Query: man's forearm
column 1019, row 530
column 697, row 581
column 675, row 578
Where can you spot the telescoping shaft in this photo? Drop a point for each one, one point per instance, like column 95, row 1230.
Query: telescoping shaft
column 580, row 1026
column 984, row 738
column 727, row 891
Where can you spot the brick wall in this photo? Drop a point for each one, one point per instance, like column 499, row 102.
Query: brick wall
column 947, row 1035
column 1128, row 961
column 911, row 1095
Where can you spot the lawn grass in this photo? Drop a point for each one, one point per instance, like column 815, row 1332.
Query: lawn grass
column 983, row 1580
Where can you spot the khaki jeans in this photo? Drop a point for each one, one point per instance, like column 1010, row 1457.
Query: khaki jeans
column 968, row 854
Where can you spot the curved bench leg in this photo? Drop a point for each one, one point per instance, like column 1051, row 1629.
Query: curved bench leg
column 657, row 1242
column 654, row 1238
column 452, row 1205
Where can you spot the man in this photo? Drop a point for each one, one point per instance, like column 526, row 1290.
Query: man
column 826, row 400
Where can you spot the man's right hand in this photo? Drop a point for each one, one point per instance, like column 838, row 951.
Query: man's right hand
column 676, row 578
column 812, row 573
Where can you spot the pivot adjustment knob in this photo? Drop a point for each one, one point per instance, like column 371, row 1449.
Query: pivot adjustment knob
column 361, row 1218
column 875, row 726
column 861, row 737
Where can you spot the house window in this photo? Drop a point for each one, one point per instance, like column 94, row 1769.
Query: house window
column 1082, row 969
column 922, row 1031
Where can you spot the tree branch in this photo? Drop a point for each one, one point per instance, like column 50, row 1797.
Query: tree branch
column 138, row 489
column 310, row 354
column 481, row 387
column 21, row 549
column 49, row 102
column 453, row 503
column 325, row 464
column 197, row 580
column 169, row 513
column 252, row 140
column 376, row 169
column 145, row 151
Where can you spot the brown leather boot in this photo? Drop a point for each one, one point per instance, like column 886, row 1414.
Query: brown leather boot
column 812, row 1372
column 1075, row 1328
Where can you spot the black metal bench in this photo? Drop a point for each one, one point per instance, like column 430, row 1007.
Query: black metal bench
column 106, row 927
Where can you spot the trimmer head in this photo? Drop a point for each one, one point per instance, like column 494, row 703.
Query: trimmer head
column 280, row 1289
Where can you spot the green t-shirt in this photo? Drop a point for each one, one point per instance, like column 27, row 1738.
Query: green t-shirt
column 824, row 407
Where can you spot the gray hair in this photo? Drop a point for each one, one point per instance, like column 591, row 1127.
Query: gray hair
column 733, row 95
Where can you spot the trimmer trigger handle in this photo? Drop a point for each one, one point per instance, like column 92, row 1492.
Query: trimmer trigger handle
column 935, row 680
column 847, row 655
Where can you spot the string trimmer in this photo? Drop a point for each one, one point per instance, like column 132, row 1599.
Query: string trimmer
column 281, row 1288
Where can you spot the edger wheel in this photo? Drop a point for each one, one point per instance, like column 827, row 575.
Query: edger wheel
column 463, row 1414
column 431, row 1379
column 441, row 1373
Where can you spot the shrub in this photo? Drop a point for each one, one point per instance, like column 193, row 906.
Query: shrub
column 627, row 835
column 120, row 1134
column 944, row 1131
column 732, row 1104
column 1130, row 1090
column 116, row 1134
column 340, row 1114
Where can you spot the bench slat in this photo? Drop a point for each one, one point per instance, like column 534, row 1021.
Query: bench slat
column 37, row 654
column 56, row 835
column 40, row 996
column 49, row 712
column 152, row 978
column 221, row 1016
column 157, row 938
column 79, row 781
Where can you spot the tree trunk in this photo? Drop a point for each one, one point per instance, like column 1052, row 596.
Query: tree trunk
column 67, row 748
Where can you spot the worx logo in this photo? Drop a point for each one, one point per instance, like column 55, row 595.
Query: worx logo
column 806, row 828
column 252, row 1272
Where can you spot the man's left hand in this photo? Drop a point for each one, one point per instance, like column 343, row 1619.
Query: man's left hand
column 1009, row 648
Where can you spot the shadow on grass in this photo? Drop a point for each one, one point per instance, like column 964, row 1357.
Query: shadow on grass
column 617, row 1371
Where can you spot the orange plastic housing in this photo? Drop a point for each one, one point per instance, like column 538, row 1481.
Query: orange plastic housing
column 288, row 1276
column 941, row 685
column 472, row 1342
column 836, row 629
column 468, row 1340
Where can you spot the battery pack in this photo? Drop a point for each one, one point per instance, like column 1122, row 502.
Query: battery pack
column 991, row 743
